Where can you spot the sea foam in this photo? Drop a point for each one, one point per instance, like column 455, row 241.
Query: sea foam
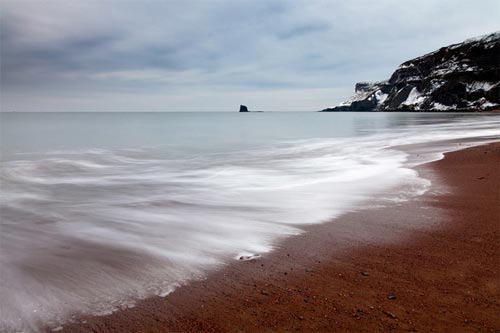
column 92, row 231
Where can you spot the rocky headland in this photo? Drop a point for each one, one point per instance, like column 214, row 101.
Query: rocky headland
column 459, row 77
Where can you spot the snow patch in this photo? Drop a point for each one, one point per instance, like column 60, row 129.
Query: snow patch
column 475, row 86
column 381, row 97
column 435, row 85
column 411, row 78
column 406, row 65
column 452, row 67
column 359, row 96
column 442, row 107
column 415, row 99
column 484, row 39
column 489, row 105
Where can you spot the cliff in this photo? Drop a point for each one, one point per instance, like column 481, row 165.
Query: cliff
column 459, row 77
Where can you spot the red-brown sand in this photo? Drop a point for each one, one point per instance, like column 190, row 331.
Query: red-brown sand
column 428, row 265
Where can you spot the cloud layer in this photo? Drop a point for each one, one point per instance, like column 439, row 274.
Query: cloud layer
column 60, row 55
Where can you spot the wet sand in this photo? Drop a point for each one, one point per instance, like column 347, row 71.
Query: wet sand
column 431, row 264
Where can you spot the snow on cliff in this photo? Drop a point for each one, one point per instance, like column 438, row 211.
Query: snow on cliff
column 464, row 76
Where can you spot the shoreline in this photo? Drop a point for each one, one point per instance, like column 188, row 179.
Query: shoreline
column 494, row 110
column 365, row 271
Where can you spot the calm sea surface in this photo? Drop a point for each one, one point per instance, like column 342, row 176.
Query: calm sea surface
column 101, row 209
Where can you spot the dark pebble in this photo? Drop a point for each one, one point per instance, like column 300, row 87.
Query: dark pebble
column 390, row 314
column 365, row 273
column 391, row 297
column 264, row 292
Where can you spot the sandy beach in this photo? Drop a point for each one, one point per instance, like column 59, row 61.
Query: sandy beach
column 427, row 265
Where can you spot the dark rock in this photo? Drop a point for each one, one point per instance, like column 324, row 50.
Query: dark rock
column 391, row 297
column 264, row 292
column 250, row 257
column 390, row 314
column 306, row 299
column 400, row 96
column 459, row 77
column 243, row 108
column 365, row 273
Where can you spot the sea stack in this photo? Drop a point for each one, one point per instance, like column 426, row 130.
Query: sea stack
column 243, row 108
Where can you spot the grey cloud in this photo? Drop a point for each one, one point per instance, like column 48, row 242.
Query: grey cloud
column 104, row 53
column 305, row 29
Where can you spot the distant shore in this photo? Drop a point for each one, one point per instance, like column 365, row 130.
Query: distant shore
column 420, row 111
column 429, row 264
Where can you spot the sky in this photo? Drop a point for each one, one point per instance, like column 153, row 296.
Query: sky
column 213, row 55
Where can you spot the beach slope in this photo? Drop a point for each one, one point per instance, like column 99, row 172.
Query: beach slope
column 431, row 264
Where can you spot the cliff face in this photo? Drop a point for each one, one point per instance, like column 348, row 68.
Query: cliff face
column 459, row 77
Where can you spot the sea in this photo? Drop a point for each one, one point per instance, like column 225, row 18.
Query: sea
column 99, row 210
